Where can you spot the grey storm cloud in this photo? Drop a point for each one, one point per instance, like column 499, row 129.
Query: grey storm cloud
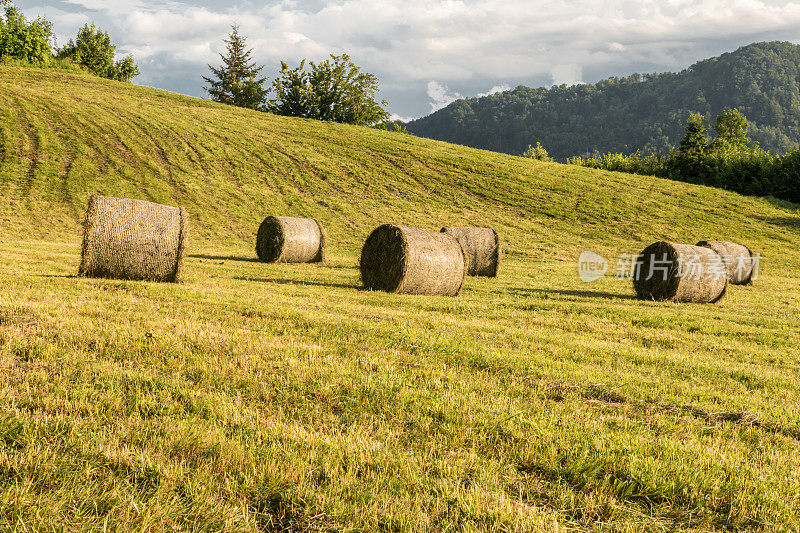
column 425, row 52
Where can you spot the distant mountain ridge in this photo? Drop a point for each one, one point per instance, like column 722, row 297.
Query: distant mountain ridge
column 644, row 113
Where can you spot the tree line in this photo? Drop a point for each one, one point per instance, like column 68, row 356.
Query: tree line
column 334, row 90
column 33, row 43
column 728, row 159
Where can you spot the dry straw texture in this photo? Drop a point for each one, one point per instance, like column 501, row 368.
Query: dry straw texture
column 408, row 260
column 132, row 239
column 738, row 260
column 481, row 249
column 680, row 272
column 291, row 240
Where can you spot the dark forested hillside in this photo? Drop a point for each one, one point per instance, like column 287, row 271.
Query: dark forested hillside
column 638, row 112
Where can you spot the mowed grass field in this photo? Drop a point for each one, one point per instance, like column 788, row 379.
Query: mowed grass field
column 282, row 397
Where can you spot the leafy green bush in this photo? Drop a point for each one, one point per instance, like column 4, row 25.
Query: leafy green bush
column 53, row 63
column 537, row 152
column 747, row 170
column 632, row 164
column 21, row 40
column 93, row 49
column 786, row 176
column 394, row 127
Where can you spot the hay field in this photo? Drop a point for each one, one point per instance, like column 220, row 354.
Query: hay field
column 280, row 397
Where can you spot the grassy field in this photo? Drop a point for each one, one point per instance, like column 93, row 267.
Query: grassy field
column 282, row 397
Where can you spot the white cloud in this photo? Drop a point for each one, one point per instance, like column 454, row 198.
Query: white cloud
column 462, row 44
column 394, row 116
column 569, row 74
column 495, row 89
column 440, row 96
column 98, row 5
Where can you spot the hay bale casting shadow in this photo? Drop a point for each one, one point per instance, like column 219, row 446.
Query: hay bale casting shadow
column 408, row 260
column 133, row 239
column 681, row 273
column 481, row 248
column 291, row 240
column 738, row 260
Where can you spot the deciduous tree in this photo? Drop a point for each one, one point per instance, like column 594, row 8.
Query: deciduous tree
column 93, row 49
column 731, row 129
column 335, row 90
column 25, row 41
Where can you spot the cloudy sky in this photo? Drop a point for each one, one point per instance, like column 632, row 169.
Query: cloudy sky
column 426, row 53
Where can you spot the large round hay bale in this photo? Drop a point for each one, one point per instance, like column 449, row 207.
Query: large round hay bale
column 291, row 240
column 681, row 273
column 133, row 239
column 738, row 260
column 408, row 260
column 481, row 248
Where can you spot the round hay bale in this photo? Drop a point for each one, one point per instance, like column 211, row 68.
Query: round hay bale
column 481, row 248
column 681, row 273
column 291, row 240
column 133, row 239
column 738, row 260
column 408, row 260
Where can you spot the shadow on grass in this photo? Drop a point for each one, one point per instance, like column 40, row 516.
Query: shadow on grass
column 789, row 221
column 792, row 223
column 340, row 267
column 783, row 204
column 580, row 294
column 57, row 276
column 298, row 282
column 225, row 258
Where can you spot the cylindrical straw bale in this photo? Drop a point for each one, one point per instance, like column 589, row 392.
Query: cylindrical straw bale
column 133, row 239
column 681, row 273
column 409, row 260
column 738, row 260
column 481, row 248
column 291, row 240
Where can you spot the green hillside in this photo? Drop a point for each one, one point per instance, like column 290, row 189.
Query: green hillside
column 281, row 397
column 644, row 113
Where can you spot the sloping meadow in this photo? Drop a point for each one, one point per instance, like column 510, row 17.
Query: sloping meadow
column 265, row 396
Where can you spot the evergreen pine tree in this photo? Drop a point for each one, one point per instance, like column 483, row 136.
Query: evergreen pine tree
column 695, row 143
column 237, row 81
column 690, row 162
